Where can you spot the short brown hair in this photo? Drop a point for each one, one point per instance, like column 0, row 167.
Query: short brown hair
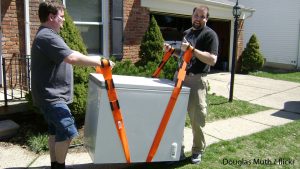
column 47, row 7
column 202, row 7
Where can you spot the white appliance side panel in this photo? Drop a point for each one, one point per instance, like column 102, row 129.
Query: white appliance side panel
column 91, row 118
column 174, row 131
column 109, row 148
column 142, row 112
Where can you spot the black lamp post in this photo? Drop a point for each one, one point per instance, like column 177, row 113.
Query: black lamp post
column 236, row 13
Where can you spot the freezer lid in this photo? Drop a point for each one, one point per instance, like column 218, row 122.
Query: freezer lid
column 140, row 83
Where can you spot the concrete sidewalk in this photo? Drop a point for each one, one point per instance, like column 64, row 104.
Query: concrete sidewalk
column 283, row 97
column 277, row 94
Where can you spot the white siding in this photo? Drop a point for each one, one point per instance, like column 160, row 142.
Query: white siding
column 276, row 24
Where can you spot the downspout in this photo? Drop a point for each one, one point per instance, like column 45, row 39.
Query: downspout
column 105, row 24
column 27, row 27
column 27, row 42
column 298, row 59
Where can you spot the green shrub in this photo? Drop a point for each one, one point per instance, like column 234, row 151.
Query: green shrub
column 125, row 67
column 252, row 59
column 151, row 52
column 38, row 143
column 151, row 49
column 72, row 37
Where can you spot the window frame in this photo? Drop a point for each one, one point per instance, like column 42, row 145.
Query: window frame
column 104, row 24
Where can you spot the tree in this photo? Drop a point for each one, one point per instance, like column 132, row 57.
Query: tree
column 252, row 59
column 151, row 48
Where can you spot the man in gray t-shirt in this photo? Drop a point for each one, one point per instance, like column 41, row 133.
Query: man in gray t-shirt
column 52, row 80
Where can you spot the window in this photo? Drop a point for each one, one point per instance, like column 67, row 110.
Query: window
column 88, row 17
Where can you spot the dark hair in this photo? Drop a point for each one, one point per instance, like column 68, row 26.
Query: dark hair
column 202, row 7
column 47, row 7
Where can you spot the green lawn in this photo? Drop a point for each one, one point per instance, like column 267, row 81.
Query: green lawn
column 279, row 75
column 277, row 147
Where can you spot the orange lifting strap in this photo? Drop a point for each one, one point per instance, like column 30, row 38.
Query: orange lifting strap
column 166, row 57
column 105, row 69
column 178, row 85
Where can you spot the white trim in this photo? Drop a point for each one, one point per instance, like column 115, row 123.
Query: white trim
column 105, row 33
column 27, row 28
column 298, row 57
column 87, row 23
column 217, row 9
column 104, row 24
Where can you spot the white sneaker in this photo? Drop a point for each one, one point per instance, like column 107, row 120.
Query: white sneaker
column 196, row 158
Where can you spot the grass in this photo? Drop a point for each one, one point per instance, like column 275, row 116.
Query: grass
column 292, row 76
column 277, row 147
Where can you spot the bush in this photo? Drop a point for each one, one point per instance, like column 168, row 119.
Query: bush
column 252, row 59
column 72, row 37
column 151, row 49
column 38, row 143
column 151, row 53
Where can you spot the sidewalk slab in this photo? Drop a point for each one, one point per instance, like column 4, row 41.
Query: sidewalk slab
column 254, row 81
column 288, row 100
column 80, row 160
column 240, row 92
column 277, row 94
column 272, row 117
column 15, row 157
column 232, row 128
column 188, row 139
column 72, row 159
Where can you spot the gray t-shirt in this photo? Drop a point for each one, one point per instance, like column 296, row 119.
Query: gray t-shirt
column 52, row 78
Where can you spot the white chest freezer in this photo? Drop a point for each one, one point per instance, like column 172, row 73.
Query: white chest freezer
column 142, row 102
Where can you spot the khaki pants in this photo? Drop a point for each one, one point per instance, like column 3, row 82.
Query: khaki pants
column 197, row 108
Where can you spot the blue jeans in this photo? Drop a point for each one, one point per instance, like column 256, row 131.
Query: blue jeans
column 60, row 121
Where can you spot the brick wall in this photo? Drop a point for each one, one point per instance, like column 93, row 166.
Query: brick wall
column 13, row 33
column 34, row 18
column 136, row 21
column 240, row 45
column 13, row 25
column 13, row 39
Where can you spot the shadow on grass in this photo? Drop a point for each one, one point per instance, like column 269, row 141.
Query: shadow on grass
column 218, row 103
column 159, row 165
column 154, row 165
